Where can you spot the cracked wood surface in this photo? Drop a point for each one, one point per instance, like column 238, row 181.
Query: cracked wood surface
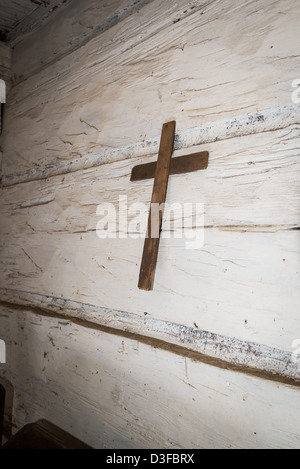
column 243, row 283
column 128, row 395
column 202, row 346
column 264, row 121
column 86, row 107
column 5, row 64
column 5, row 74
column 30, row 21
column 219, row 61
column 13, row 11
column 159, row 194
column 82, row 21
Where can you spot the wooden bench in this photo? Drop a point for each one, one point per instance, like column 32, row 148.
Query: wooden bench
column 44, row 435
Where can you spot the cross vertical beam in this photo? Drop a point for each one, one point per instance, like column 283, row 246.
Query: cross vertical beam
column 162, row 172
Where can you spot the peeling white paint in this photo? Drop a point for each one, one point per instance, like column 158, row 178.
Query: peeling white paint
column 114, row 366
column 263, row 121
column 103, row 390
column 249, row 357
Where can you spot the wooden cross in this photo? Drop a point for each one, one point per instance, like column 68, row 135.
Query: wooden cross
column 160, row 171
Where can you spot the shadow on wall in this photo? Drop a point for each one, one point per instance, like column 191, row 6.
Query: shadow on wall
column 6, row 406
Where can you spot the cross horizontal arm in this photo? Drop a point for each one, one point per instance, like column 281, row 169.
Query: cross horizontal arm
column 179, row 165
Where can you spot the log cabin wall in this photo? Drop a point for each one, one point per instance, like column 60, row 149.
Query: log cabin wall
column 5, row 63
column 5, row 85
column 209, row 358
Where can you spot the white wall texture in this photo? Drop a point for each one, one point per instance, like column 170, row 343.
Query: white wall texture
column 208, row 358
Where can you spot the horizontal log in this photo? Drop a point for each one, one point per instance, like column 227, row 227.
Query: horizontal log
column 214, row 349
column 241, row 189
column 149, row 70
column 127, row 393
column 264, row 121
column 239, row 284
column 49, row 243
column 33, row 20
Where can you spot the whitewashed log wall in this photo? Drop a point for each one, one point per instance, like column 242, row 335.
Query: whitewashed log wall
column 6, row 76
column 216, row 338
column 5, row 63
column 116, row 392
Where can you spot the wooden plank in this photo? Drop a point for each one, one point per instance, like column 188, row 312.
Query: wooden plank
column 242, row 189
column 251, row 241
column 114, row 392
column 179, row 165
column 151, row 46
column 44, row 435
column 30, row 22
column 264, row 121
column 5, row 64
column 5, row 74
column 12, row 12
column 159, row 193
column 243, row 285
column 217, row 350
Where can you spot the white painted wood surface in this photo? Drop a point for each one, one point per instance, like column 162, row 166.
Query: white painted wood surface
column 49, row 242
column 264, row 121
column 118, row 393
column 214, row 349
column 221, row 60
column 75, row 126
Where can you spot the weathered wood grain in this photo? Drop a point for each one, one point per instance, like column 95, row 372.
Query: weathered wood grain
column 242, row 189
column 43, row 435
column 264, row 121
column 82, row 22
column 5, row 64
column 180, row 165
column 224, row 71
column 159, row 194
column 31, row 20
column 214, row 349
column 123, row 397
column 13, row 11
column 170, row 69
column 243, row 283
column 5, row 74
